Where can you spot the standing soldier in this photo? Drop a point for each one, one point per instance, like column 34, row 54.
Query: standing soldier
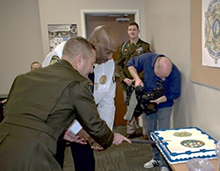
column 129, row 49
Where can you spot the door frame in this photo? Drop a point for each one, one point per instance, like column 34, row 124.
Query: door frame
column 102, row 12
column 83, row 13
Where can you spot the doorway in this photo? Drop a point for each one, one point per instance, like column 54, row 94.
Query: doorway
column 119, row 21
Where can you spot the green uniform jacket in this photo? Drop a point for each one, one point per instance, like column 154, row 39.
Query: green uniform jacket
column 41, row 105
column 127, row 51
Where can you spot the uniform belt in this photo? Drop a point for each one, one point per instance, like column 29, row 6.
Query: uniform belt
column 32, row 124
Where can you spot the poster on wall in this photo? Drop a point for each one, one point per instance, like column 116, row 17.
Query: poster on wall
column 211, row 33
column 60, row 32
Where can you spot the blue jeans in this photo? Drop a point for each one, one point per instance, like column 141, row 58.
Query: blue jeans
column 159, row 120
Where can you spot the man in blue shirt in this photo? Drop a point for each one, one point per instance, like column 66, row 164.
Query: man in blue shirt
column 156, row 68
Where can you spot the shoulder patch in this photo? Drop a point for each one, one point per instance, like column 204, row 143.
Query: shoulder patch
column 91, row 86
column 54, row 59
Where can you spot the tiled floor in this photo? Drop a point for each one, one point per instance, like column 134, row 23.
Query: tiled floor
column 124, row 157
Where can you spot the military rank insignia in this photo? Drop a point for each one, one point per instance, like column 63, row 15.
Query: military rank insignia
column 54, row 59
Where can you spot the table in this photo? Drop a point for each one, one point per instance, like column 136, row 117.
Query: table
column 157, row 135
column 183, row 166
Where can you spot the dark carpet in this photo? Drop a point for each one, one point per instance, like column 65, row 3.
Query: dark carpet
column 124, row 157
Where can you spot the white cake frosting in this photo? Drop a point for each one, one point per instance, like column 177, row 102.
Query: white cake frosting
column 182, row 144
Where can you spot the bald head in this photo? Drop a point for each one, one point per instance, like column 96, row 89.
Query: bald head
column 163, row 67
column 106, row 41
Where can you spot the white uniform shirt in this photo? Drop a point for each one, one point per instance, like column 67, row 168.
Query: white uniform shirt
column 104, row 89
column 104, row 93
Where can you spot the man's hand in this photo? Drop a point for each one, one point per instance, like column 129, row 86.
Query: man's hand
column 97, row 147
column 138, row 82
column 94, row 145
column 118, row 139
column 133, row 72
column 69, row 136
column 128, row 81
column 161, row 99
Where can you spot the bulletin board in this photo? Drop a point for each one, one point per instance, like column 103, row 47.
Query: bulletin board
column 209, row 76
column 60, row 32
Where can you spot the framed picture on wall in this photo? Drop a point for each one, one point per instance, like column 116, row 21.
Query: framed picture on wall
column 210, row 33
column 60, row 32
column 202, row 73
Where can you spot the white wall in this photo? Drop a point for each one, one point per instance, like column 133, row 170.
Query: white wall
column 168, row 29
column 23, row 34
column 68, row 11
column 20, row 37
column 166, row 24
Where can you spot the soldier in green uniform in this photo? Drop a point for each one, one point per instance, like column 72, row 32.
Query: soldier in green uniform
column 43, row 103
column 129, row 49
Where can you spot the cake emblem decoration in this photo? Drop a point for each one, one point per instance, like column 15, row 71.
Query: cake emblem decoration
column 192, row 143
column 182, row 134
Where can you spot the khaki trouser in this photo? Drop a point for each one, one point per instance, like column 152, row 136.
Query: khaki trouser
column 131, row 120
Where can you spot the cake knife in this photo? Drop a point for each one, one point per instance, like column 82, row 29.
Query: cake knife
column 148, row 141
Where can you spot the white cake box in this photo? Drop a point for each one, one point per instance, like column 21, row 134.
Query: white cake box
column 182, row 144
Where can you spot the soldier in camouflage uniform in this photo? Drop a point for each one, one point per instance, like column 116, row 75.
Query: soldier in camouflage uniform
column 129, row 49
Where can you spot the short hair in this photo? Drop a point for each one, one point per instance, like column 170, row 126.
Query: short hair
column 35, row 62
column 133, row 23
column 77, row 45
